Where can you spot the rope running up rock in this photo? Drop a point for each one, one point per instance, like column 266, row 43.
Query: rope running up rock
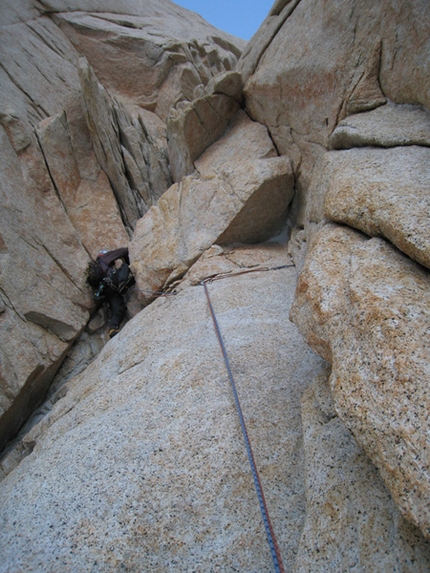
column 271, row 538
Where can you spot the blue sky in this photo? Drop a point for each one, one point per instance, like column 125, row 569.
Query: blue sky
column 242, row 18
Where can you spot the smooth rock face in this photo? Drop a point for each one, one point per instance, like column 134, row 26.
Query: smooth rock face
column 364, row 307
column 156, row 477
column 108, row 484
column 389, row 125
column 382, row 192
column 45, row 303
column 88, row 198
column 241, row 193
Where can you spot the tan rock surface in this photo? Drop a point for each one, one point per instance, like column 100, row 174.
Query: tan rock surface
column 364, row 307
column 79, row 167
column 156, row 477
column 313, row 59
column 241, row 193
column 166, row 50
column 42, row 283
column 352, row 522
column 194, row 127
column 89, row 201
column 381, row 192
column 389, row 125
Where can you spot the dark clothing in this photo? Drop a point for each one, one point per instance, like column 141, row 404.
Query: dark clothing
column 111, row 283
column 117, row 309
column 110, row 257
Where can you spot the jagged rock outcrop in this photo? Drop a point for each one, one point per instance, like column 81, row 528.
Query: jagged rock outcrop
column 166, row 50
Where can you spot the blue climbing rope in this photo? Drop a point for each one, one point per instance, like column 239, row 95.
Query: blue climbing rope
column 274, row 549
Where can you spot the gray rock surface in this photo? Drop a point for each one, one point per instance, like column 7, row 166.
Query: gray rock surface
column 45, row 303
column 352, row 522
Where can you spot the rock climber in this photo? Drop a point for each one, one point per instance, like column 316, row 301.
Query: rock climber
column 110, row 277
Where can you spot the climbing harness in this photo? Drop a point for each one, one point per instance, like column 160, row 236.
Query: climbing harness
column 271, row 538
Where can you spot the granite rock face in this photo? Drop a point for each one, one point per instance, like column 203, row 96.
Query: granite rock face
column 45, row 305
column 389, row 125
column 194, row 127
column 167, row 51
column 80, row 164
column 352, row 522
column 135, row 460
column 156, row 477
column 312, row 63
column 364, row 307
column 381, row 192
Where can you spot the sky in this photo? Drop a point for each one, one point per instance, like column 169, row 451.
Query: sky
column 241, row 18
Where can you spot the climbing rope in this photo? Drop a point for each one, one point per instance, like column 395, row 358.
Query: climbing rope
column 156, row 294
column 271, row 538
column 214, row 277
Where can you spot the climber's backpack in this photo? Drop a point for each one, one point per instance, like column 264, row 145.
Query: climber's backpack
column 120, row 279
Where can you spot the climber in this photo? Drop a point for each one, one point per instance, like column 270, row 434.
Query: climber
column 110, row 277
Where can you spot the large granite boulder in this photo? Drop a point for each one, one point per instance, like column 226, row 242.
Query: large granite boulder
column 364, row 307
column 194, row 126
column 381, row 192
